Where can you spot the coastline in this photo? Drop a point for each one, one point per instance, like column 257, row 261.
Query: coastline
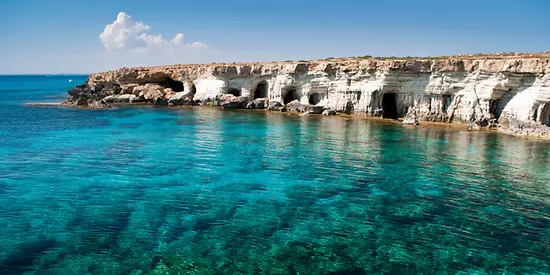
column 341, row 116
column 509, row 92
column 142, row 160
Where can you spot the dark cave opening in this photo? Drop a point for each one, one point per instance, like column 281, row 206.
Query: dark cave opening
column 447, row 100
column 192, row 89
column 290, row 96
column 261, row 90
column 545, row 119
column 314, row 99
column 235, row 92
column 389, row 105
column 497, row 106
column 168, row 82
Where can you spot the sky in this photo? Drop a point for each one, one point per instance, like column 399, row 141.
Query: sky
column 62, row 36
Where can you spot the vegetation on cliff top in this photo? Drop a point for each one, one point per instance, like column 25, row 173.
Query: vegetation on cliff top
column 505, row 55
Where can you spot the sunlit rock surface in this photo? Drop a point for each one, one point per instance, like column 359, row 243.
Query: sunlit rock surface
column 512, row 93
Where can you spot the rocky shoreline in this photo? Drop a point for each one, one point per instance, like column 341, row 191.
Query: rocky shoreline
column 508, row 93
column 159, row 96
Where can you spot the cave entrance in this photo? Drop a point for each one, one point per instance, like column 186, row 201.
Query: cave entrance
column 168, row 82
column 261, row 90
column 290, row 96
column 235, row 92
column 545, row 118
column 447, row 100
column 389, row 105
column 315, row 99
column 497, row 106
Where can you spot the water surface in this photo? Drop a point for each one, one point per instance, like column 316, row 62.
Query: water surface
column 143, row 190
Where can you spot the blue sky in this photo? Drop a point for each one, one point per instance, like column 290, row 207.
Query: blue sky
column 62, row 36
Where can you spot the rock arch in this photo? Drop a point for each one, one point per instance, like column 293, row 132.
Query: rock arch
column 290, row 95
column 261, row 90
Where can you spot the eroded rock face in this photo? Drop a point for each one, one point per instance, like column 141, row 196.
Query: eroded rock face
column 260, row 103
column 123, row 98
column 510, row 92
column 274, row 106
column 150, row 92
column 81, row 95
column 230, row 101
column 295, row 106
column 182, row 98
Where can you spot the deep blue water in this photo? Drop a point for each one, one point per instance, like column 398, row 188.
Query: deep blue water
column 143, row 190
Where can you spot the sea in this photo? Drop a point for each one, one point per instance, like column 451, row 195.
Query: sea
column 144, row 190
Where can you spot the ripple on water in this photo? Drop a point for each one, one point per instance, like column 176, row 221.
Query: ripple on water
column 162, row 191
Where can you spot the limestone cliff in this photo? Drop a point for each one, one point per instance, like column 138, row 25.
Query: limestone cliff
column 512, row 93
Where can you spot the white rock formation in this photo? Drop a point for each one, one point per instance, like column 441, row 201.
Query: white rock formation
column 512, row 92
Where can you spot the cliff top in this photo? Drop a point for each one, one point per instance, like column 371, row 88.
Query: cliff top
column 478, row 56
column 533, row 63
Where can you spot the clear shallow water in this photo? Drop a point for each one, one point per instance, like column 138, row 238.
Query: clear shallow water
column 142, row 190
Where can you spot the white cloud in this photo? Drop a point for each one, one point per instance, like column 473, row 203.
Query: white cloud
column 197, row 45
column 126, row 33
column 178, row 39
column 122, row 33
column 152, row 40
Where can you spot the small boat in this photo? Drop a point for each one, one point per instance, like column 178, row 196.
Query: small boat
column 70, row 80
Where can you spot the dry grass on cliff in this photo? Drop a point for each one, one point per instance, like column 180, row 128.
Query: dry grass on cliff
column 476, row 56
column 498, row 56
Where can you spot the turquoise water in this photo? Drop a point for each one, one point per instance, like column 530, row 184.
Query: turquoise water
column 143, row 190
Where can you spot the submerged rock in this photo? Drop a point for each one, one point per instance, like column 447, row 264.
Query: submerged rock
column 21, row 260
